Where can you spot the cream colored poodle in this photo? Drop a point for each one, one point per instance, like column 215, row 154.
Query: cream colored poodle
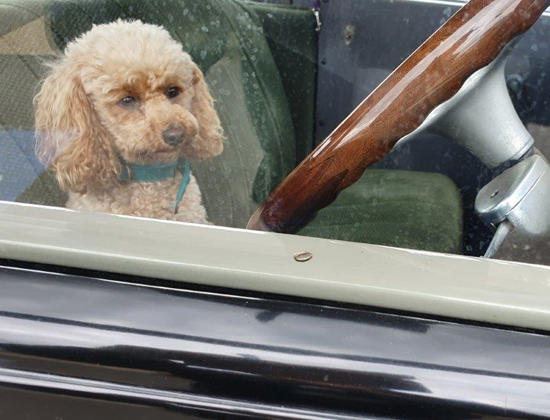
column 117, row 118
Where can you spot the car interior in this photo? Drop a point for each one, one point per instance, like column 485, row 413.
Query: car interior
column 261, row 63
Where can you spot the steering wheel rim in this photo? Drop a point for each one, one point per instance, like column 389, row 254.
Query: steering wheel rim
column 470, row 40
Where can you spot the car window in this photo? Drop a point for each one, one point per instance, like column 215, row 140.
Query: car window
column 194, row 112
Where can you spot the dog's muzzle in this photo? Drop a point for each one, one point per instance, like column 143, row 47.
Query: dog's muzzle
column 173, row 135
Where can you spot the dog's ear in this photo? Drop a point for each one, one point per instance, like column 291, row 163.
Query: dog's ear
column 209, row 140
column 69, row 134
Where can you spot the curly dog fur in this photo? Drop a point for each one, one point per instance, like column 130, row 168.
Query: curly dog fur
column 87, row 129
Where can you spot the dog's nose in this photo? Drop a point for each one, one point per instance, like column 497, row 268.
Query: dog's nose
column 173, row 135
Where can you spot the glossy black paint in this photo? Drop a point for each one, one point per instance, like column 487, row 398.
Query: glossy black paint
column 82, row 347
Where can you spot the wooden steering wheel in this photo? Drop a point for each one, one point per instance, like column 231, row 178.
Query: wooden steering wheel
column 468, row 41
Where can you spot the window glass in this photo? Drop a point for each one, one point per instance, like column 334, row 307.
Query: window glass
column 195, row 111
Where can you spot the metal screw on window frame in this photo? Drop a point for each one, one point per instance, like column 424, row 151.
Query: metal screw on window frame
column 303, row 256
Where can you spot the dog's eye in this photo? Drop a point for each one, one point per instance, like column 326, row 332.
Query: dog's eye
column 172, row 92
column 127, row 101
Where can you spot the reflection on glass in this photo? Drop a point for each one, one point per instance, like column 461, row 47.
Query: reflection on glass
column 199, row 114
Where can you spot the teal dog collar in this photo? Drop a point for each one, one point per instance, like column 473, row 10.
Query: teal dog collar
column 158, row 172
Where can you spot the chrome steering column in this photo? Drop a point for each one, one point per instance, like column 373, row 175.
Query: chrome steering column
column 482, row 119
column 518, row 202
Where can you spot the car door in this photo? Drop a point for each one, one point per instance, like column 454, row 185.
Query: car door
column 383, row 307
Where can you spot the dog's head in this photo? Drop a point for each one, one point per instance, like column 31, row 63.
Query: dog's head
column 122, row 92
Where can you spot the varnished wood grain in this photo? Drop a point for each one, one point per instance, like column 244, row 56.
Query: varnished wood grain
column 468, row 41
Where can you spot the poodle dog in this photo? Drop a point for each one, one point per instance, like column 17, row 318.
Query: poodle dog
column 118, row 116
